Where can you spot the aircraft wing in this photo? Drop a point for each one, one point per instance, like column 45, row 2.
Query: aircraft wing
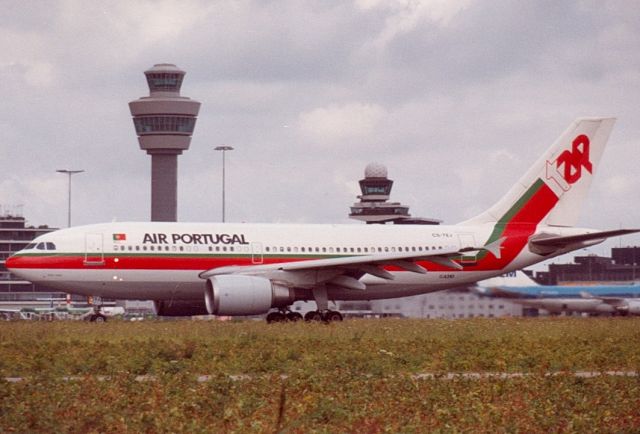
column 498, row 292
column 613, row 301
column 8, row 310
column 362, row 264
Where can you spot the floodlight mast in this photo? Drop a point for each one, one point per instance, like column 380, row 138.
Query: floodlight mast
column 224, row 149
column 69, row 173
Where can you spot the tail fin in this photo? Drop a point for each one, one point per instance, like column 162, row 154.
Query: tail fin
column 505, row 286
column 552, row 191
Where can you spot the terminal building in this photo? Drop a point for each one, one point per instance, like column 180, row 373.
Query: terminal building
column 15, row 234
column 622, row 267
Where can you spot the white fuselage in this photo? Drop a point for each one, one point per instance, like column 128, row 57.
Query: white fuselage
column 163, row 260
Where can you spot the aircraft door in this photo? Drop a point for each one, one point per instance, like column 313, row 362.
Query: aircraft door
column 256, row 253
column 468, row 240
column 94, row 251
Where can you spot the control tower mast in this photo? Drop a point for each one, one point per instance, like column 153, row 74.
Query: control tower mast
column 164, row 122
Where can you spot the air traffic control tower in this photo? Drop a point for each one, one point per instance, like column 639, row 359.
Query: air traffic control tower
column 373, row 206
column 164, row 123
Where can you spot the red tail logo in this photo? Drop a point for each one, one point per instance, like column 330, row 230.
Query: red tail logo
column 572, row 161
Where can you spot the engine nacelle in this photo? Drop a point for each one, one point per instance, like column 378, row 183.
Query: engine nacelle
column 245, row 295
column 180, row 307
column 633, row 307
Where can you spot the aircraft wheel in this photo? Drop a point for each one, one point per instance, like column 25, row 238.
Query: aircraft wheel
column 332, row 315
column 294, row 316
column 275, row 317
column 98, row 318
column 313, row 315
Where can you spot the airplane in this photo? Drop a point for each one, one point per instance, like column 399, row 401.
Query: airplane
column 594, row 299
column 238, row 269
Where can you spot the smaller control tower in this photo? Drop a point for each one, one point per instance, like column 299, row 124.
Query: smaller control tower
column 164, row 123
column 373, row 206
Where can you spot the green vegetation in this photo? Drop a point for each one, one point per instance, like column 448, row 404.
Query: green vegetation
column 299, row 377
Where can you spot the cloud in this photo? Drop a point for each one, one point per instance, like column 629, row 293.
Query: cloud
column 455, row 98
column 339, row 122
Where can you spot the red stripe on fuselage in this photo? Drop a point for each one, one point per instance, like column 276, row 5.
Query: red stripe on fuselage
column 517, row 232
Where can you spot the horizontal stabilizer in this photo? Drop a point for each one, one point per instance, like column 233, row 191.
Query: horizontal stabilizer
column 561, row 241
column 545, row 244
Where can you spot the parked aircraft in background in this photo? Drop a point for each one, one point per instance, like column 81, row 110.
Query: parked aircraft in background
column 593, row 299
column 249, row 269
column 60, row 313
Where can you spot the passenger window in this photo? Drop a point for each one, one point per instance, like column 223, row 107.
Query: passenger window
column 231, row 248
column 330, row 249
column 266, row 249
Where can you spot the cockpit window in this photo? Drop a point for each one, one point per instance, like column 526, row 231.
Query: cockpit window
column 40, row 246
column 51, row 246
column 30, row 246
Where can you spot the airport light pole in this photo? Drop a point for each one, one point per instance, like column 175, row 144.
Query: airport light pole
column 224, row 149
column 69, row 173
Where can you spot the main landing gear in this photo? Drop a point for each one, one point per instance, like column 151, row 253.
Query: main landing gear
column 283, row 316
column 321, row 314
column 326, row 316
column 314, row 315
column 96, row 315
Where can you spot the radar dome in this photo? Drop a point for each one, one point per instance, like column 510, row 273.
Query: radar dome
column 375, row 170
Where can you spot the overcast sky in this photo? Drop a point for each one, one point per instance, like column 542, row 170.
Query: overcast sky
column 457, row 99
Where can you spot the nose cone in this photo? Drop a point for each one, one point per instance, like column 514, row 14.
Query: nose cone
column 11, row 263
column 16, row 265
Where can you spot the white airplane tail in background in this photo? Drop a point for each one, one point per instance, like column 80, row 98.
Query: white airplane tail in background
column 552, row 191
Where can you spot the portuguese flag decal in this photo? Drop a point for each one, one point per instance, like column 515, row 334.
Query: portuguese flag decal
column 119, row 237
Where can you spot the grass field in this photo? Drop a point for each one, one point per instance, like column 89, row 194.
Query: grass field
column 355, row 376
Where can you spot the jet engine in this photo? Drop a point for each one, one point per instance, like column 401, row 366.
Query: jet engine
column 180, row 307
column 633, row 307
column 245, row 295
